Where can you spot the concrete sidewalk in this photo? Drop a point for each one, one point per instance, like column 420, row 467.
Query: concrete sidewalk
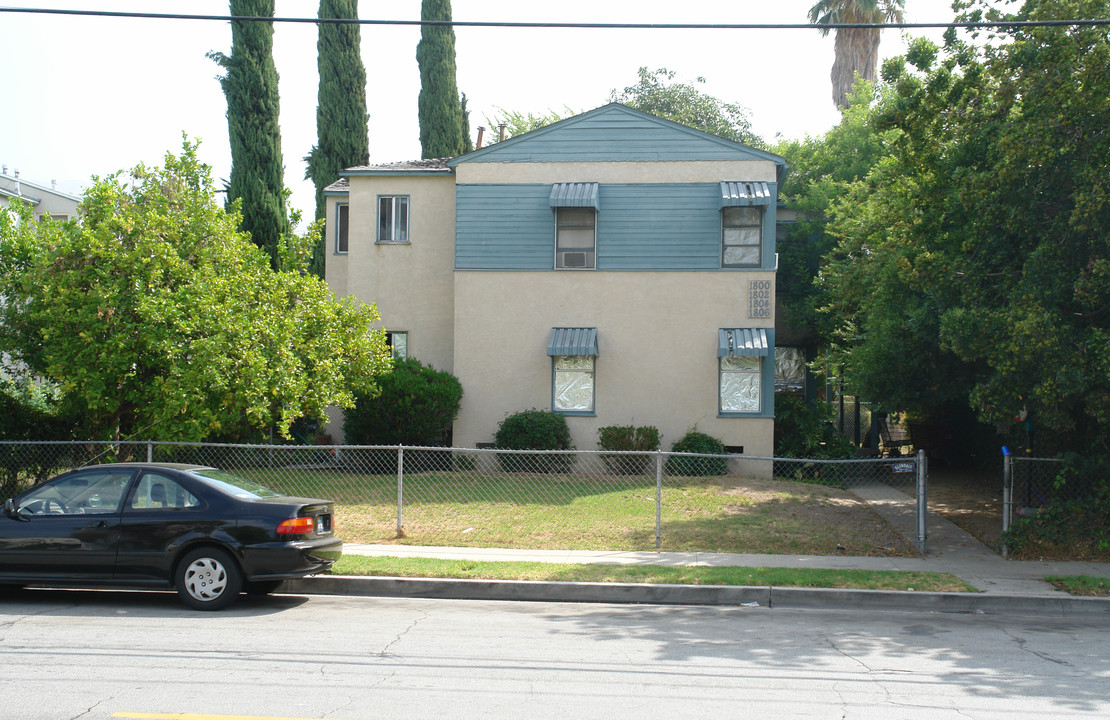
column 1006, row 586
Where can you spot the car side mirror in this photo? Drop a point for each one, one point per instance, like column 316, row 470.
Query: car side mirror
column 10, row 511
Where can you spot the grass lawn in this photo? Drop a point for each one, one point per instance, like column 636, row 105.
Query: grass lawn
column 685, row 575
column 599, row 512
column 1081, row 584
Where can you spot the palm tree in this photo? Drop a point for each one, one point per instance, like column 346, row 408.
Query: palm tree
column 857, row 49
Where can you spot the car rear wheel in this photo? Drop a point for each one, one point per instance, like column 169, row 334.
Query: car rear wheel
column 208, row 579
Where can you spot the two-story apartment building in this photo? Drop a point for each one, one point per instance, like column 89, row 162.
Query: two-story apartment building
column 614, row 267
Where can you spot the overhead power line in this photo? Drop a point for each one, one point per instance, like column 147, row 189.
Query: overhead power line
column 568, row 25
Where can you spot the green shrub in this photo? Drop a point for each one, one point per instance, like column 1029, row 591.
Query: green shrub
column 628, row 438
column 697, row 442
column 805, row 431
column 416, row 406
column 1076, row 515
column 533, row 430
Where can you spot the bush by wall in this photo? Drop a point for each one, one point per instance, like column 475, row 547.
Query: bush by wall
column 416, row 406
column 643, row 439
column 697, row 442
column 533, row 430
column 805, row 431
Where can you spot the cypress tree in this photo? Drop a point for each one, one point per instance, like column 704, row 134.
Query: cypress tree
column 439, row 108
column 251, row 88
column 468, row 144
column 342, row 140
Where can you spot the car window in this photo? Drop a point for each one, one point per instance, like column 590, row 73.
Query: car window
column 159, row 492
column 93, row 492
column 233, row 484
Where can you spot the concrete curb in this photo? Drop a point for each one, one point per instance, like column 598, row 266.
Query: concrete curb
column 651, row 594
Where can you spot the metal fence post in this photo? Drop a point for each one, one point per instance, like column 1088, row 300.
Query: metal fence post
column 658, row 500
column 922, row 504
column 400, row 487
column 1007, row 498
column 149, row 451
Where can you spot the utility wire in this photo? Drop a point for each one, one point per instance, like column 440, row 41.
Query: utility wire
column 977, row 25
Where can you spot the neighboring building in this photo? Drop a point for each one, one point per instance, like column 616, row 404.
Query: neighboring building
column 44, row 200
column 614, row 267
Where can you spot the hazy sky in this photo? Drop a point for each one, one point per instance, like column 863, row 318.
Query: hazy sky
column 87, row 96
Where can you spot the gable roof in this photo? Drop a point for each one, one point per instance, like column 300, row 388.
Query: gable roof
column 616, row 133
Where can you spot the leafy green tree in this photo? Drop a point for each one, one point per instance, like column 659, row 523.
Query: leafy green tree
column 657, row 93
column 342, row 139
column 468, row 144
column 440, row 110
column 518, row 123
column 822, row 170
column 856, row 49
column 974, row 263
column 251, row 88
column 156, row 317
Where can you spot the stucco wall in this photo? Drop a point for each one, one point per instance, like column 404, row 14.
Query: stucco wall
column 411, row 284
column 657, row 337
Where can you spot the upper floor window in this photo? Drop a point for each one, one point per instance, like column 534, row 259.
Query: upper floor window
column 393, row 219
column 575, row 237
column 742, row 236
column 575, row 206
column 342, row 222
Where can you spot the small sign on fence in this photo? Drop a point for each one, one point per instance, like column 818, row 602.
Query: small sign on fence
column 903, row 467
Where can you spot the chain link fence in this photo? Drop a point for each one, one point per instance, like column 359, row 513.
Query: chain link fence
column 556, row 499
column 1052, row 514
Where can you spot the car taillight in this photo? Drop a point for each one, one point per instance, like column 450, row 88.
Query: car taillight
column 296, row 526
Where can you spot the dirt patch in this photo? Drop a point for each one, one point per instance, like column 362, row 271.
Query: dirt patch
column 971, row 499
column 814, row 519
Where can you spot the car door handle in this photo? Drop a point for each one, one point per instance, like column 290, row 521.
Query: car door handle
column 97, row 524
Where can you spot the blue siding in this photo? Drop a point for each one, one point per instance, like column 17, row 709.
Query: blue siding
column 640, row 227
column 615, row 133
column 504, row 227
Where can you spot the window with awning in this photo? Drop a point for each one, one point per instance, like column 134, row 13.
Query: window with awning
column 573, row 354
column 741, row 353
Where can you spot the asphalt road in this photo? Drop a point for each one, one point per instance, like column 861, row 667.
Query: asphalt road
column 142, row 655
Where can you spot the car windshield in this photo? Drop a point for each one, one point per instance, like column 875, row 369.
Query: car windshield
column 233, row 484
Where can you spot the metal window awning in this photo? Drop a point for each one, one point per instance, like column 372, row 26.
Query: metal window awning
column 572, row 341
column 740, row 194
column 733, row 342
column 574, row 195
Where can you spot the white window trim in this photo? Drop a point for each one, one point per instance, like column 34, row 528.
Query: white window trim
column 393, row 229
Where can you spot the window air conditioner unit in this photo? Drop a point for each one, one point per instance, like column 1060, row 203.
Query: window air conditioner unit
column 572, row 259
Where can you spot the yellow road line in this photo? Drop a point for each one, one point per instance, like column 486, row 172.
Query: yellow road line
column 194, row 716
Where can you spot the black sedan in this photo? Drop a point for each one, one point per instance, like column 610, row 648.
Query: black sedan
column 205, row 532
